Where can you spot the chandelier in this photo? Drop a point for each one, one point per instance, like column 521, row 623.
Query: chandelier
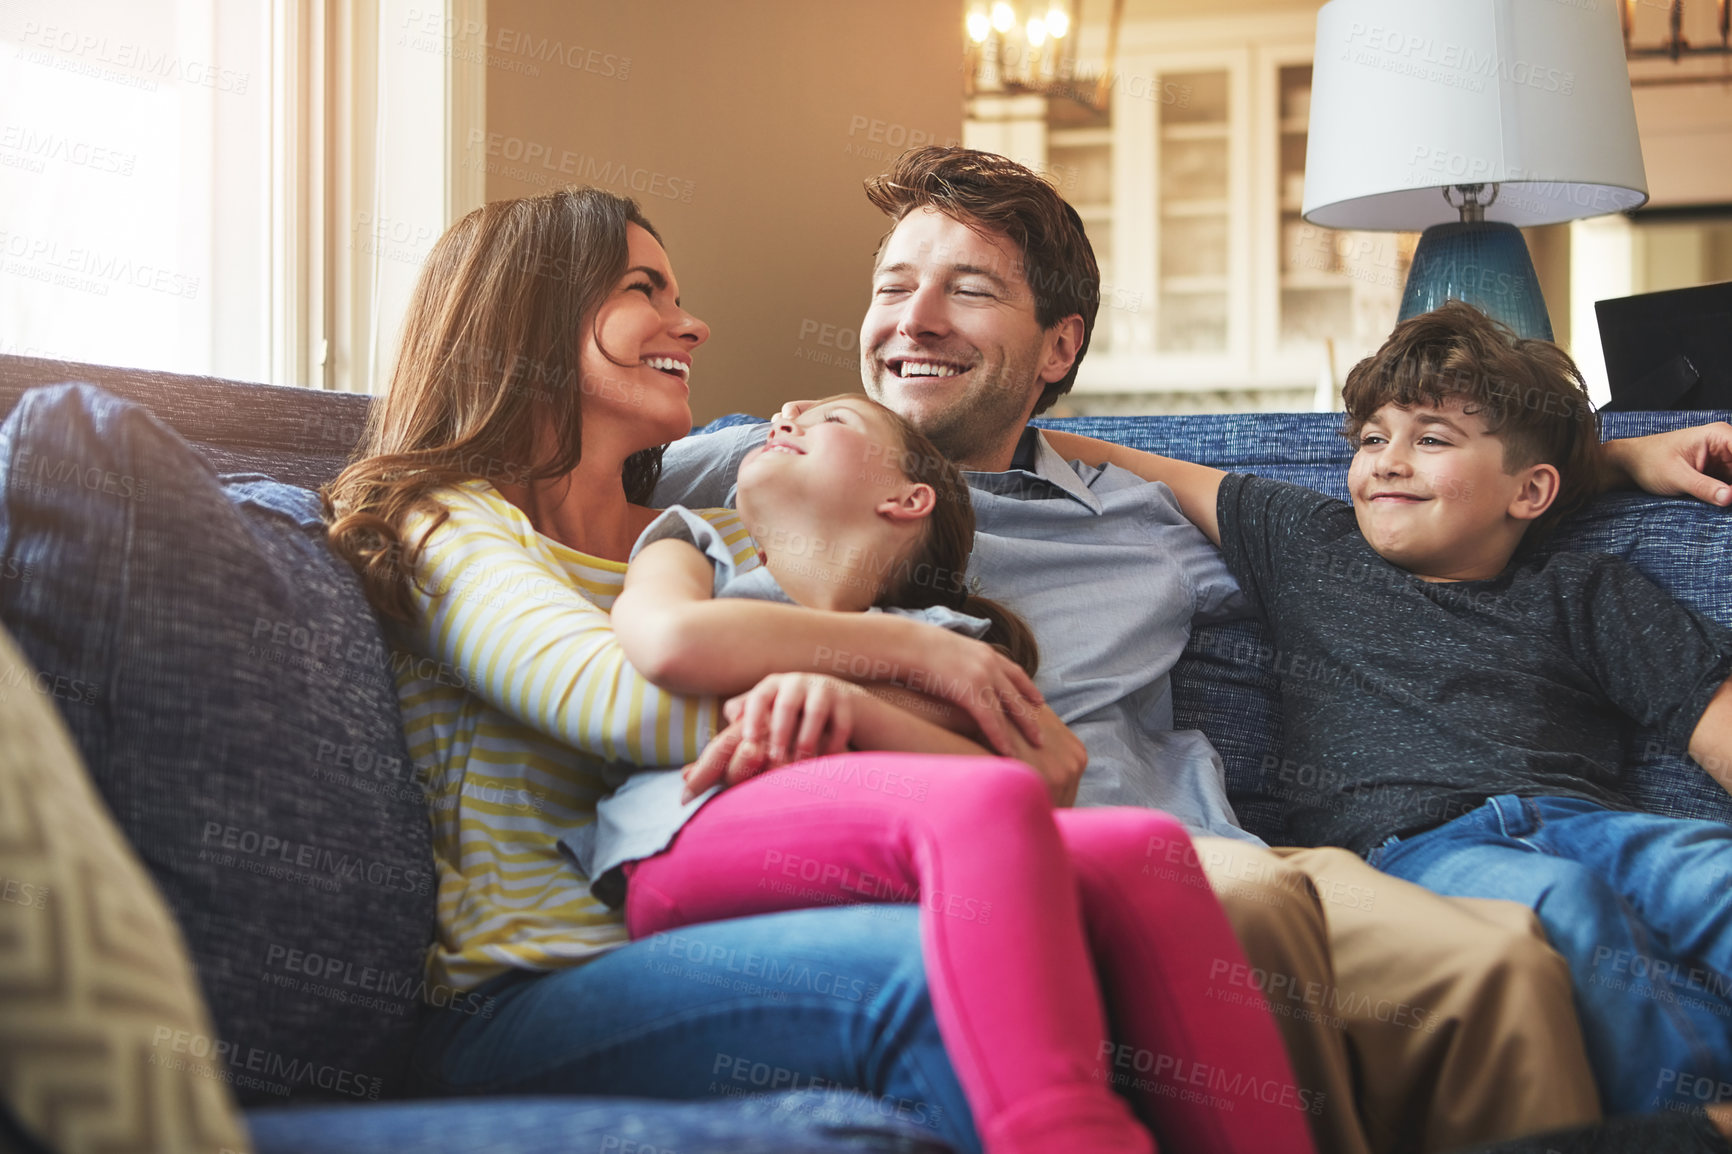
column 1021, row 49
column 1677, row 44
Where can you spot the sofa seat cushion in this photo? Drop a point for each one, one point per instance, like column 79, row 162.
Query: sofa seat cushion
column 228, row 687
column 95, row 980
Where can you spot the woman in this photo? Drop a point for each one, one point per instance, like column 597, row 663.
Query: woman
column 543, row 362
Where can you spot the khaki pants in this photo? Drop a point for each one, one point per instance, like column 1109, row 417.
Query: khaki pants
column 1425, row 1023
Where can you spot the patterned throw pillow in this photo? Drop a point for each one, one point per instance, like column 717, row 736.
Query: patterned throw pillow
column 103, row 1020
column 228, row 687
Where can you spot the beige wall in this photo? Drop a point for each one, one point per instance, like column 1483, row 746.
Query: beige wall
column 1686, row 143
column 746, row 131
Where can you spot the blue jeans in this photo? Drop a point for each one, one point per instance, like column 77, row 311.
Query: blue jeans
column 1639, row 907
column 827, row 998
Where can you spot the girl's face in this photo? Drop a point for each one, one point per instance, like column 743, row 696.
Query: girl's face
column 642, row 327
column 840, row 452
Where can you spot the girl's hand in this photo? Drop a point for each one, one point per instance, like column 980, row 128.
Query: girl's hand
column 785, row 717
column 988, row 685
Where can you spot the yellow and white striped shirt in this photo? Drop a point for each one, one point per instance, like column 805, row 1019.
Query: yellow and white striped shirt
column 515, row 697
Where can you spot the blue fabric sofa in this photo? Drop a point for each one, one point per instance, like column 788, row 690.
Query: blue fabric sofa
column 283, row 438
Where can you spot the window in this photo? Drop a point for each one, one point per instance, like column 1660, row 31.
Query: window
column 242, row 190
column 134, row 160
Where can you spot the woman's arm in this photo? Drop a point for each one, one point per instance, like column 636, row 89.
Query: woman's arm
column 498, row 617
column 684, row 640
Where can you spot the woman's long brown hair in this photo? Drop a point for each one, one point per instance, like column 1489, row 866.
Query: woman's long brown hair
column 486, row 375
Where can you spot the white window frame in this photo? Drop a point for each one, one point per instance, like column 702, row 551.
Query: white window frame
column 359, row 187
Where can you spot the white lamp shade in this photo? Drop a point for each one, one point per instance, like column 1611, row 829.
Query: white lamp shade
column 1412, row 96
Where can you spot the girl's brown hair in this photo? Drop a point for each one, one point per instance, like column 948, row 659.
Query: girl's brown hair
column 486, row 375
column 935, row 571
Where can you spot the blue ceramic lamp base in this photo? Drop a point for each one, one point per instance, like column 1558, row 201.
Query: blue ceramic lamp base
column 1484, row 263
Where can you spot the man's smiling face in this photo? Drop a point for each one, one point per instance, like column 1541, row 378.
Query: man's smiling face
column 950, row 339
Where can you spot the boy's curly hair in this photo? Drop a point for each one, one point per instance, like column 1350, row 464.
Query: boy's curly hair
column 1530, row 393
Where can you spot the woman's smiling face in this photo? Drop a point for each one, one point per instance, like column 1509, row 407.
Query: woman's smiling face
column 637, row 354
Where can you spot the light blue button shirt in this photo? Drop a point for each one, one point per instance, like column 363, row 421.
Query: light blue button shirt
column 1110, row 576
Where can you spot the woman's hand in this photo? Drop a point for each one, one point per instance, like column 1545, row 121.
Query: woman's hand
column 785, row 717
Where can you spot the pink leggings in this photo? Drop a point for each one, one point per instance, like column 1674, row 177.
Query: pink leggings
column 1015, row 900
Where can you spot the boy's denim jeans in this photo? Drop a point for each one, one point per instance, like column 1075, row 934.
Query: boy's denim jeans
column 1640, row 906
column 831, row 998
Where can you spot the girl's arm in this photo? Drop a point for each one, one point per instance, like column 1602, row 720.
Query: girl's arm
column 792, row 717
column 682, row 639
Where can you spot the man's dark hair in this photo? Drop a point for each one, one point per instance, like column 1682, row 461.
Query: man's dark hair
column 1529, row 391
column 989, row 192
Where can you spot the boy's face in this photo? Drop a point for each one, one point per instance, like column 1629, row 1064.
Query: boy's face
column 1431, row 495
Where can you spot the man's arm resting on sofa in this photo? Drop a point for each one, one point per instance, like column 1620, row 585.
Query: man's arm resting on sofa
column 1694, row 462
column 1711, row 741
column 1196, row 486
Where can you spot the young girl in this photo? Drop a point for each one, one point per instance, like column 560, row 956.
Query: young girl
column 1022, row 905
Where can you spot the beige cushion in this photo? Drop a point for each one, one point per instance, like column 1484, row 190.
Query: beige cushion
column 101, row 1018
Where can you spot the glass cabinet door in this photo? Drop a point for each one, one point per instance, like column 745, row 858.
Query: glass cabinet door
column 1080, row 164
column 1193, row 213
column 1316, row 297
column 1339, row 290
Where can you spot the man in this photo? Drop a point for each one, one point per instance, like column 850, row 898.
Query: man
column 1423, row 1023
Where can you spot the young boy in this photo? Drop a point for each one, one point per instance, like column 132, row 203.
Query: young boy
column 1465, row 696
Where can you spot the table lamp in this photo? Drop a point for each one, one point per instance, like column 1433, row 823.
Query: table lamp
column 1470, row 119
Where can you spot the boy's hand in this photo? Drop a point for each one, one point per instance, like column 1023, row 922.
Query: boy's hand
column 1694, row 462
column 785, row 717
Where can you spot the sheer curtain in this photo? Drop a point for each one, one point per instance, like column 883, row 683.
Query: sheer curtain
column 134, row 165
column 239, row 188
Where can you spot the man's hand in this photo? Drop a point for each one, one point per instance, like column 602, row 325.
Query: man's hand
column 1694, row 462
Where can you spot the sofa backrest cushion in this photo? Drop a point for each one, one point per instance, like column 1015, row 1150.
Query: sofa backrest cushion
column 229, row 689
column 1222, row 685
column 298, row 436
column 1679, row 545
